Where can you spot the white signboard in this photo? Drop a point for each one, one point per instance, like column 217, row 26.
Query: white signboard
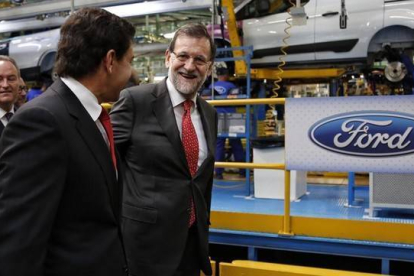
column 352, row 134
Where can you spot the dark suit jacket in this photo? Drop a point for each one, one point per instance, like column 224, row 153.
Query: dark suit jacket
column 59, row 197
column 1, row 128
column 158, row 183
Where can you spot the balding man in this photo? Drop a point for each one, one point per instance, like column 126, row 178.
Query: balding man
column 9, row 89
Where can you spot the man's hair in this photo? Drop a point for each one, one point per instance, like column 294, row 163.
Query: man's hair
column 85, row 39
column 195, row 30
column 12, row 61
column 222, row 71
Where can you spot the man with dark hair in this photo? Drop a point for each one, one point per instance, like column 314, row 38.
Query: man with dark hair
column 60, row 194
column 166, row 135
column 9, row 90
column 22, row 95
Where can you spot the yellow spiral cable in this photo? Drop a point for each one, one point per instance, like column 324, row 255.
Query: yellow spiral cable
column 271, row 112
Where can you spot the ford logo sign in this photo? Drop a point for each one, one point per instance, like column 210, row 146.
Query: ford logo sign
column 369, row 134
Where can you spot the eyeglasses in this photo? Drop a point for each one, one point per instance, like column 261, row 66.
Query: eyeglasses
column 198, row 60
column 22, row 88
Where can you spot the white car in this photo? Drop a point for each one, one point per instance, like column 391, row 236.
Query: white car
column 336, row 31
column 34, row 53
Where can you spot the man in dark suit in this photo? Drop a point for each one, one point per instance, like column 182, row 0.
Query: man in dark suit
column 9, row 89
column 166, row 135
column 59, row 194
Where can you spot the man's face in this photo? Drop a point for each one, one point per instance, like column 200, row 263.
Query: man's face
column 21, row 99
column 189, row 64
column 9, row 84
column 122, row 71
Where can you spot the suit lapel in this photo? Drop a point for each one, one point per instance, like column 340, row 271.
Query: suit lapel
column 164, row 112
column 89, row 132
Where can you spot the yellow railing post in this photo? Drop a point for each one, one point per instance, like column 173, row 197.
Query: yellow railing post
column 241, row 67
column 286, row 218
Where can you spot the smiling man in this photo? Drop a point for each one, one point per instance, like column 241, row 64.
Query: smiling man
column 166, row 135
column 9, row 89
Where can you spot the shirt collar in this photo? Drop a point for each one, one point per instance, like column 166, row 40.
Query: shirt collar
column 85, row 96
column 176, row 97
column 3, row 112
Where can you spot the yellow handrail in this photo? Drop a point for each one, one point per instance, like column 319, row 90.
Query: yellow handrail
column 243, row 165
column 228, row 102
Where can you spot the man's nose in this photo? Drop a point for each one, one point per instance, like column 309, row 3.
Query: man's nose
column 4, row 82
column 190, row 64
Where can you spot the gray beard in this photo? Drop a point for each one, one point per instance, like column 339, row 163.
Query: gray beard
column 184, row 89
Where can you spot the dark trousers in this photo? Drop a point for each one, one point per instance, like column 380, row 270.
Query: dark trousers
column 190, row 262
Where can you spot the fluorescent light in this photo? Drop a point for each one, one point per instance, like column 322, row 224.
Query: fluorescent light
column 169, row 35
column 154, row 7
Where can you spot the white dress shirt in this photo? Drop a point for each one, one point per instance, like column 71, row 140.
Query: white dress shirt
column 177, row 99
column 89, row 102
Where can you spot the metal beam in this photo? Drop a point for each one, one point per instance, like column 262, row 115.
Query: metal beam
column 150, row 49
column 30, row 24
column 365, row 249
column 123, row 8
column 272, row 74
column 34, row 9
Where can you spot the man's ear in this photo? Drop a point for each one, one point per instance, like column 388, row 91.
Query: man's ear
column 109, row 60
column 167, row 58
column 210, row 68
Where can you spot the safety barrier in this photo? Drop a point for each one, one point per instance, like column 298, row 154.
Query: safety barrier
column 271, row 166
column 251, row 268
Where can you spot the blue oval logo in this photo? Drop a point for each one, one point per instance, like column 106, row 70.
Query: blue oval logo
column 369, row 134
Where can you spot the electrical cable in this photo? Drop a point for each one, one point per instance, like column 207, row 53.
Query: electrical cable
column 271, row 112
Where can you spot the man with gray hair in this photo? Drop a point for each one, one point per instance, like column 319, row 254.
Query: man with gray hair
column 9, row 89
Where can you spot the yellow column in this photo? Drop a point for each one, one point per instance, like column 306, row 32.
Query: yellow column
column 286, row 219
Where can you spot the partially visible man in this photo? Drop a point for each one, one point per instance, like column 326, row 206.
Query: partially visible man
column 9, row 89
column 59, row 194
column 166, row 135
column 21, row 99
column 35, row 91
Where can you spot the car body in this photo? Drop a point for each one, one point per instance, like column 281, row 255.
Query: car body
column 336, row 31
column 34, row 53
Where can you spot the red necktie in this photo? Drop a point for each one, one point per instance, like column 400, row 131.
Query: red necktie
column 106, row 123
column 190, row 143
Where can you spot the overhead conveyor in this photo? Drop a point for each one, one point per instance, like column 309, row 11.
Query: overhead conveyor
column 268, row 73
